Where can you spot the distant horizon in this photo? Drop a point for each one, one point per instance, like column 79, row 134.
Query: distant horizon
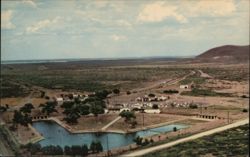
column 117, row 58
column 103, row 58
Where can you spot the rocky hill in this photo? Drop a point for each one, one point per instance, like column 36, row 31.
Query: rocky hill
column 227, row 53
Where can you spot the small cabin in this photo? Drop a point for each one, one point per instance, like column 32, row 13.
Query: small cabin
column 184, row 86
column 124, row 109
column 152, row 111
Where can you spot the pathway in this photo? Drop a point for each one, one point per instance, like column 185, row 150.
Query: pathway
column 205, row 75
column 192, row 137
column 109, row 124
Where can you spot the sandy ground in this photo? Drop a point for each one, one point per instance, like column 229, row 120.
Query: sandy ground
column 92, row 123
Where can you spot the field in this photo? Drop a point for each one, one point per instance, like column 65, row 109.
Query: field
column 233, row 142
column 219, row 94
column 81, row 77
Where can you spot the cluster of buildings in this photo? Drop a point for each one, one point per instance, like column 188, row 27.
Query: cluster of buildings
column 137, row 107
column 69, row 98
column 179, row 104
column 147, row 98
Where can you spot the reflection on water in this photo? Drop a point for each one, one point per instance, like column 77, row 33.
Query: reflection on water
column 54, row 134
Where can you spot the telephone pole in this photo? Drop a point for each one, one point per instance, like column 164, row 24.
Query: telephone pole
column 108, row 144
column 143, row 119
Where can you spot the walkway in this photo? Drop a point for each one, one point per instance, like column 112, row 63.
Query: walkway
column 205, row 75
column 192, row 137
column 109, row 124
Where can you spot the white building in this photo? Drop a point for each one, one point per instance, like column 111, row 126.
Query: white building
column 75, row 95
column 59, row 100
column 124, row 109
column 137, row 105
column 162, row 98
column 184, row 86
column 152, row 111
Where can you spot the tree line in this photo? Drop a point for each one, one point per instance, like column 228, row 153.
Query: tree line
column 82, row 150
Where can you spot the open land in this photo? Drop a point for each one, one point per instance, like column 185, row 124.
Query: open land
column 216, row 90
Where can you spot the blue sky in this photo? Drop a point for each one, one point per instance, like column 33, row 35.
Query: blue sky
column 50, row 29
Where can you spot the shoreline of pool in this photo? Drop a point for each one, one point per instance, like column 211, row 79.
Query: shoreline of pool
column 72, row 131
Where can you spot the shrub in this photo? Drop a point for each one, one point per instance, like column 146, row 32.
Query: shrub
column 155, row 106
column 171, row 91
column 151, row 95
column 128, row 92
column 244, row 96
column 244, row 110
column 116, row 91
column 138, row 140
column 193, row 106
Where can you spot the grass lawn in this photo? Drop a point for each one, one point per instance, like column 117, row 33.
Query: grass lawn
column 91, row 123
column 233, row 142
column 149, row 119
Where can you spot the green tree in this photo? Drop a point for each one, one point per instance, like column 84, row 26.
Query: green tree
column 25, row 120
column 35, row 148
column 96, row 147
column 3, row 108
column 67, row 104
column 52, row 150
column 155, row 106
column 93, row 146
column 116, row 91
column 72, row 117
column 67, row 150
column 49, row 107
column 128, row 115
column 96, row 108
column 85, row 150
column 27, row 108
column 99, row 147
column 151, row 95
column 138, row 140
column 76, row 150
column 17, row 118
column 102, row 94
column 84, row 109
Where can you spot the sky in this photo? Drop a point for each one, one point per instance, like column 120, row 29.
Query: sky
column 58, row 29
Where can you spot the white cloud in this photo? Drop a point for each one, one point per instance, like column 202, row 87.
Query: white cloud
column 6, row 17
column 211, row 8
column 118, row 37
column 159, row 11
column 30, row 3
column 42, row 24
column 123, row 23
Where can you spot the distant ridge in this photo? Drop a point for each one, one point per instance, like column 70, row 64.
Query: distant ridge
column 226, row 53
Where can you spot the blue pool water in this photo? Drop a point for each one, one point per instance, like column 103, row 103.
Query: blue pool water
column 54, row 134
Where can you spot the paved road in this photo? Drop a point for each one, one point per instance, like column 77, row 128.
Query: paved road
column 199, row 135
column 109, row 124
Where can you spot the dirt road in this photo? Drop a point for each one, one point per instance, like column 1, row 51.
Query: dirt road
column 205, row 75
column 164, row 82
column 199, row 135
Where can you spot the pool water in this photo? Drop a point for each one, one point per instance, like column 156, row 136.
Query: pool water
column 54, row 134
